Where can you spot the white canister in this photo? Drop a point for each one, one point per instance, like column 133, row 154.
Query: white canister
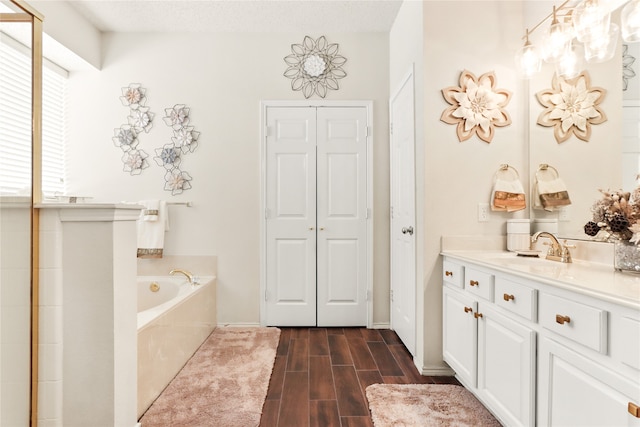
column 518, row 234
column 548, row 225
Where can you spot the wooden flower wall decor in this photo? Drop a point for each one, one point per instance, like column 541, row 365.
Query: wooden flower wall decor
column 571, row 107
column 477, row 107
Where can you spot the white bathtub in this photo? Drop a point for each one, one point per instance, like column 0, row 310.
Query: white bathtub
column 172, row 323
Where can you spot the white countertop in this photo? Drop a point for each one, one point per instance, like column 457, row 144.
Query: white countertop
column 592, row 279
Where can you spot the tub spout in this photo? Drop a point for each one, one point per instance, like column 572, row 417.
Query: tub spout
column 189, row 276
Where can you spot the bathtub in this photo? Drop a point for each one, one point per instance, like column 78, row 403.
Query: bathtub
column 173, row 321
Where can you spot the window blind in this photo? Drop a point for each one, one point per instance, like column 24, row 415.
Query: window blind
column 15, row 121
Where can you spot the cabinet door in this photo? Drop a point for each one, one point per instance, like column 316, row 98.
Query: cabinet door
column 576, row 391
column 342, row 216
column 506, row 367
column 460, row 335
column 291, row 222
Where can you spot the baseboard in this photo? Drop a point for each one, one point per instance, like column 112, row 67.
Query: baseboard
column 437, row 372
column 252, row 325
column 238, row 325
column 381, row 326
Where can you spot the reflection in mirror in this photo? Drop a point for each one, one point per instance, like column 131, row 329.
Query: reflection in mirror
column 15, row 217
column 610, row 158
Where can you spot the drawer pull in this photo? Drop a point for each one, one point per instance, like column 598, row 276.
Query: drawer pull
column 473, row 283
column 508, row 297
column 468, row 309
column 477, row 315
column 634, row 409
column 562, row 319
column 448, row 273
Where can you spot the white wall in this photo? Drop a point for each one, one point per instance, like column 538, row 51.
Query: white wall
column 222, row 78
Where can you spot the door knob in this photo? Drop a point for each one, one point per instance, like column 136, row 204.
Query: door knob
column 407, row 230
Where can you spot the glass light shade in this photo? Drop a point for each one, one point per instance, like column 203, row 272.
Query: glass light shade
column 630, row 21
column 556, row 42
column 528, row 61
column 572, row 63
column 590, row 19
column 601, row 49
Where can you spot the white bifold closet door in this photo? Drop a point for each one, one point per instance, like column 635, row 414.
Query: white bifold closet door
column 316, row 191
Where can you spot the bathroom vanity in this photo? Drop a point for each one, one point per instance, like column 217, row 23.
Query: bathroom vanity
column 541, row 342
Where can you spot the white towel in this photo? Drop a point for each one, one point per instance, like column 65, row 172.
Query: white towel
column 152, row 224
column 507, row 196
column 550, row 193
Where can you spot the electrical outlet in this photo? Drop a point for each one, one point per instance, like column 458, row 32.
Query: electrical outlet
column 483, row 212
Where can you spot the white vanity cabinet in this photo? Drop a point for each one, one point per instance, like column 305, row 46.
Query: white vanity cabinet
column 537, row 353
column 588, row 366
column 492, row 353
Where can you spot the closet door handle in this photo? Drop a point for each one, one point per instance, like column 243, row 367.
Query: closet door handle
column 407, row 230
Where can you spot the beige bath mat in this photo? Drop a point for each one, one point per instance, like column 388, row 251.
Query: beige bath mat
column 224, row 384
column 415, row 405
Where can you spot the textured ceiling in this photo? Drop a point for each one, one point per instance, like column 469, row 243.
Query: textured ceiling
column 311, row 16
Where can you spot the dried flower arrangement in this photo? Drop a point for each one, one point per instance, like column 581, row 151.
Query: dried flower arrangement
column 616, row 216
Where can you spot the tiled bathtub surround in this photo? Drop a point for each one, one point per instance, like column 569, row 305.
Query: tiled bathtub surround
column 166, row 343
column 50, row 321
column 90, row 350
column 14, row 310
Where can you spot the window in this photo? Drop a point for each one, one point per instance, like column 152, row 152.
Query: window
column 15, row 121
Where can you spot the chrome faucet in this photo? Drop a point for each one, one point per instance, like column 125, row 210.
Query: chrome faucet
column 557, row 251
column 186, row 273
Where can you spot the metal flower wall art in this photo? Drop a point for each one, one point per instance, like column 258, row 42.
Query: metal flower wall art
column 140, row 120
column 183, row 141
column 315, row 67
column 627, row 66
column 571, row 107
column 477, row 107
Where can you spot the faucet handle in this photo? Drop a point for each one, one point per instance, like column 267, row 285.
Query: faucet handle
column 565, row 245
column 554, row 249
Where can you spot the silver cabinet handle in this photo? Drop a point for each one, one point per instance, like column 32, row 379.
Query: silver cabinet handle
column 407, row 230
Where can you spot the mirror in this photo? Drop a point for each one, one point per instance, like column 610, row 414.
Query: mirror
column 611, row 156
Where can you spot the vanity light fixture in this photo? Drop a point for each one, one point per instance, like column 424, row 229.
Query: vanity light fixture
column 528, row 60
column 556, row 40
column 630, row 21
column 591, row 18
column 580, row 30
column 572, row 62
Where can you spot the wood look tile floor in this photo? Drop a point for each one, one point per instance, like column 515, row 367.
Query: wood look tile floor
column 320, row 375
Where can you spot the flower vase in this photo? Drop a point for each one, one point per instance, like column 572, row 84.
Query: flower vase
column 626, row 256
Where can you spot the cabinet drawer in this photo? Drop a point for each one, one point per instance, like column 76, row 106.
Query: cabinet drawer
column 579, row 322
column 452, row 273
column 478, row 283
column 517, row 298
